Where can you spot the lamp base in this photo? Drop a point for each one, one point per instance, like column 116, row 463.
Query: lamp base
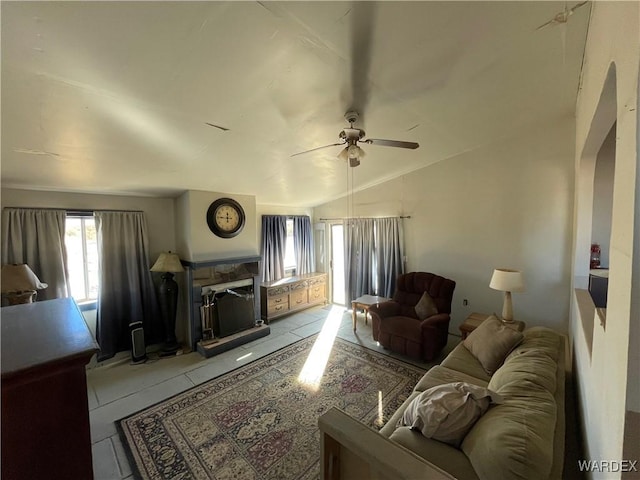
column 19, row 298
column 507, row 308
column 169, row 349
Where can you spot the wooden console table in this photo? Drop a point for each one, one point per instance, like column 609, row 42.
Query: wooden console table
column 45, row 412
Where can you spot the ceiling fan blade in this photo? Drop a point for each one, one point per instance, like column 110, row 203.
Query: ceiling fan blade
column 319, row 148
column 391, row 143
column 362, row 19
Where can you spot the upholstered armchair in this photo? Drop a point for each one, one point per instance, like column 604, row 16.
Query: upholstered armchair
column 397, row 326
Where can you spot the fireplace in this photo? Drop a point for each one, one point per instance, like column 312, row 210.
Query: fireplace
column 224, row 299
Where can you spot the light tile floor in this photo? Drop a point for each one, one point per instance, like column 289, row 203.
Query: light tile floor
column 120, row 389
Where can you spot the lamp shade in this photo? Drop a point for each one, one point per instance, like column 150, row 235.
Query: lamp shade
column 168, row 262
column 20, row 278
column 507, row 280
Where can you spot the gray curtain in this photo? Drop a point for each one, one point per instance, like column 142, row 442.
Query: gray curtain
column 126, row 288
column 303, row 244
column 389, row 247
column 374, row 254
column 274, row 238
column 36, row 237
column 358, row 257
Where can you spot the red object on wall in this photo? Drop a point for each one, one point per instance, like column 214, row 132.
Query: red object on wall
column 595, row 256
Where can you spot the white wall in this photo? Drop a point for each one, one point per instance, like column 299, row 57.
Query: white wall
column 503, row 205
column 197, row 243
column 604, row 390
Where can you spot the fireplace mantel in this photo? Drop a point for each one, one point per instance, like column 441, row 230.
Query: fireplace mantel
column 220, row 261
column 248, row 268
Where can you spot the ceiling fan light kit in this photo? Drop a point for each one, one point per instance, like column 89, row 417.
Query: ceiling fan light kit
column 351, row 136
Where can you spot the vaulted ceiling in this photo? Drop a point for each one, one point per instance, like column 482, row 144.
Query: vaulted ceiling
column 154, row 98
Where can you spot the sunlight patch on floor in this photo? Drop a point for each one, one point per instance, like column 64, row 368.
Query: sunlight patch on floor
column 244, row 356
column 380, row 419
column 313, row 369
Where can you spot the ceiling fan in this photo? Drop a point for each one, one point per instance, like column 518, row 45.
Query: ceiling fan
column 350, row 138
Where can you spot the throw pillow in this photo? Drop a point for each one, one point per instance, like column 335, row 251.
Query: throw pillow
column 425, row 307
column 491, row 342
column 447, row 412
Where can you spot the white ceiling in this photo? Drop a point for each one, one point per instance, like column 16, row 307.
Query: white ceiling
column 119, row 95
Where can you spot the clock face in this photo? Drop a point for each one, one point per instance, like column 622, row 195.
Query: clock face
column 225, row 217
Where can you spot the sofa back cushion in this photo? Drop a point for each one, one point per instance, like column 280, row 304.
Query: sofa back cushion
column 516, row 439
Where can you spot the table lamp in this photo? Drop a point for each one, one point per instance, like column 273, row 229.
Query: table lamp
column 169, row 263
column 507, row 281
column 20, row 284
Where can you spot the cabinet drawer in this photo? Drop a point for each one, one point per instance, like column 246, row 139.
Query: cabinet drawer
column 281, row 300
column 299, row 297
column 277, row 309
column 316, row 293
column 316, row 281
column 299, row 286
column 276, row 291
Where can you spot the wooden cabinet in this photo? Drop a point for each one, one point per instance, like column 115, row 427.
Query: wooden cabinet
column 291, row 294
column 45, row 413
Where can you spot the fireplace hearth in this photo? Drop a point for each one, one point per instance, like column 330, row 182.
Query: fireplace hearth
column 224, row 299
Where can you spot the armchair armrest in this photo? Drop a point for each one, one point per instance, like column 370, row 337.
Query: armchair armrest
column 439, row 320
column 435, row 330
column 380, row 311
column 385, row 309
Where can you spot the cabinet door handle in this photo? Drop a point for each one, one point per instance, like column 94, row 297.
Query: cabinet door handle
column 279, row 307
column 278, row 300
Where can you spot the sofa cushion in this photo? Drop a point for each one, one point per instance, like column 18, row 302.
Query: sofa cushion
column 438, row 375
column 524, row 427
column 392, row 423
column 448, row 458
column 540, row 338
column 514, row 440
column 462, row 360
column 447, row 412
column 491, row 342
column 526, row 369
column 425, row 307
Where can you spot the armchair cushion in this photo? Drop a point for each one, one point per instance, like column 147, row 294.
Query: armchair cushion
column 425, row 307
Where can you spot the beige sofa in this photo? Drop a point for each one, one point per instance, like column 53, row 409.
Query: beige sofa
column 522, row 438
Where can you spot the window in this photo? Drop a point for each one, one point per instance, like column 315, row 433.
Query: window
column 289, row 250
column 82, row 257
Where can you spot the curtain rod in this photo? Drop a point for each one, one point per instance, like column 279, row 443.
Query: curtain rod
column 356, row 218
column 81, row 211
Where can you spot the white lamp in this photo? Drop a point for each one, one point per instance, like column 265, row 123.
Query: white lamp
column 507, row 281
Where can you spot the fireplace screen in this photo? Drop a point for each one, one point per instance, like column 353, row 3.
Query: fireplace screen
column 227, row 310
column 233, row 311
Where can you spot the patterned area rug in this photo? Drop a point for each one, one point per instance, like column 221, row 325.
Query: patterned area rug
column 260, row 421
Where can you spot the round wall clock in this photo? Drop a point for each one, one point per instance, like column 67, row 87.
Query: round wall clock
column 225, row 217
